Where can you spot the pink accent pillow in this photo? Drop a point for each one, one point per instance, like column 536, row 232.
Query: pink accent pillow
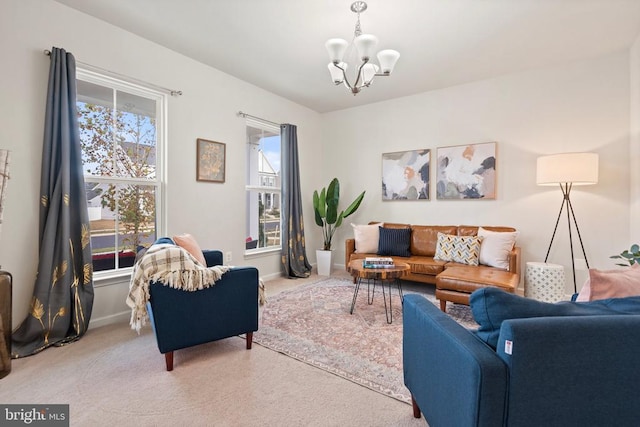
column 623, row 282
column 188, row 243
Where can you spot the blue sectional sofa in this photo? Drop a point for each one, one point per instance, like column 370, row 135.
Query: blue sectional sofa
column 564, row 364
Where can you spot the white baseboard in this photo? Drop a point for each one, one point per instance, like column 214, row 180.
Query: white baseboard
column 122, row 317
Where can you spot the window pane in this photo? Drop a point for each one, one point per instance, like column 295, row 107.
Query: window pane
column 264, row 226
column 116, row 142
column 136, row 136
column 122, row 218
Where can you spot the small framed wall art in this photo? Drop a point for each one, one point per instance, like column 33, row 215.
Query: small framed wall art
column 405, row 175
column 466, row 172
column 210, row 161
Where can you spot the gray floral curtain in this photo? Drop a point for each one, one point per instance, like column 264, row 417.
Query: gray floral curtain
column 63, row 294
column 294, row 255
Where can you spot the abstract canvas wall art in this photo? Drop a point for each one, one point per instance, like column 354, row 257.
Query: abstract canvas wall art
column 405, row 175
column 466, row 172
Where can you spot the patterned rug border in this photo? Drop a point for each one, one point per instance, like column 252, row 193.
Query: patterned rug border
column 274, row 339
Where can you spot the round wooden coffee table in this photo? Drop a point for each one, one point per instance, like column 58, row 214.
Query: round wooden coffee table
column 390, row 274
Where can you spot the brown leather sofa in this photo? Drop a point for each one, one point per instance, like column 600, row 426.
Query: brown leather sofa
column 454, row 281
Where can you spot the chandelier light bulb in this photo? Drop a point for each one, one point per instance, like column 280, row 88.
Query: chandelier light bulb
column 366, row 45
column 387, row 59
column 336, row 49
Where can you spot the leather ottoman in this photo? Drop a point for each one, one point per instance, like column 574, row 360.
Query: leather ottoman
column 455, row 284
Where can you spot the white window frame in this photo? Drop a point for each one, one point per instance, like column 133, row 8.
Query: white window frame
column 160, row 182
column 250, row 122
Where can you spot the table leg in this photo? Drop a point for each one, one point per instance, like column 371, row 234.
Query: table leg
column 388, row 313
column 355, row 294
column 371, row 293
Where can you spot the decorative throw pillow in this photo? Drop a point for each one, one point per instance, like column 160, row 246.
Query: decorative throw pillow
column 394, row 242
column 444, row 247
column 188, row 243
column 496, row 247
column 462, row 249
column 367, row 237
column 491, row 306
column 619, row 283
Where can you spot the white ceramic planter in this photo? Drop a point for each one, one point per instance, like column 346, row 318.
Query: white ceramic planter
column 324, row 262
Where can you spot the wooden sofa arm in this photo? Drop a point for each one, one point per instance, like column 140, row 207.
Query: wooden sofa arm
column 515, row 260
column 349, row 248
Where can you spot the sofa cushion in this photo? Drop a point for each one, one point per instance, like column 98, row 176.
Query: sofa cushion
column 366, row 237
column 461, row 249
column 492, row 306
column 496, row 247
column 424, row 238
column 394, row 242
column 425, row 265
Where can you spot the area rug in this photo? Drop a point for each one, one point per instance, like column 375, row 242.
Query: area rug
column 312, row 323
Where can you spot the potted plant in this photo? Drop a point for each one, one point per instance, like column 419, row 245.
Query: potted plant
column 325, row 206
column 632, row 255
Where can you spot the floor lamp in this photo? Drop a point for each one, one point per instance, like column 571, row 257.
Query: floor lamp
column 567, row 170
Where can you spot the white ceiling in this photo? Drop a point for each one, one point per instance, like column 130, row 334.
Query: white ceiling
column 278, row 45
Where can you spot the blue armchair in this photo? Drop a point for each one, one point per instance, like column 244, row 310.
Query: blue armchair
column 579, row 369
column 183, row 319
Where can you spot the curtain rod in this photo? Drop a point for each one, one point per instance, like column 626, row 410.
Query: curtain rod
column 172, row 92
column 245, row 115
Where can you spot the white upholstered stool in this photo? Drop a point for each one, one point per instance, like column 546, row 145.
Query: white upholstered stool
column 544, row 282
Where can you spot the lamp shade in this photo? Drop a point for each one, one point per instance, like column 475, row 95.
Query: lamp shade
column 336, row 49
column 574, row 168
column 387, row 59
column 366, row 45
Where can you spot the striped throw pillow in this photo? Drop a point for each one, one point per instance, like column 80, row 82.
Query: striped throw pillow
column 394, row 242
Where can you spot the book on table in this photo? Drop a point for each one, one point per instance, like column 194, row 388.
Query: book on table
column 378, row 262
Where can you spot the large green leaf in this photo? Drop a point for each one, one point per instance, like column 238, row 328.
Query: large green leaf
column 316, row 208
column 333, row 198
column 354, row 206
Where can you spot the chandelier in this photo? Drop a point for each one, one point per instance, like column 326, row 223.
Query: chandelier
column 365, row 45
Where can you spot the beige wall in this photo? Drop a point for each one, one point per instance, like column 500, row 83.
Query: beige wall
column 213, row 213
column 582, row 106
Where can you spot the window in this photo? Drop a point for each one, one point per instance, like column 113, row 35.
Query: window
column 263, row 187
column 121, row 135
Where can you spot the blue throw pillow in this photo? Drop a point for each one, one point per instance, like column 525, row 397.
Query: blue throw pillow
column 492, row 306
column 394, row 242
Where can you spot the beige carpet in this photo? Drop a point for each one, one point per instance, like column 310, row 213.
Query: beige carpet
column 114, row 377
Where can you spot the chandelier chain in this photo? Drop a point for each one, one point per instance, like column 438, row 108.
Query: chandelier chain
column 358, row 30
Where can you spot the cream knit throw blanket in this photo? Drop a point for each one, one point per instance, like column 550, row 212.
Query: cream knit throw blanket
column 173, row 266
